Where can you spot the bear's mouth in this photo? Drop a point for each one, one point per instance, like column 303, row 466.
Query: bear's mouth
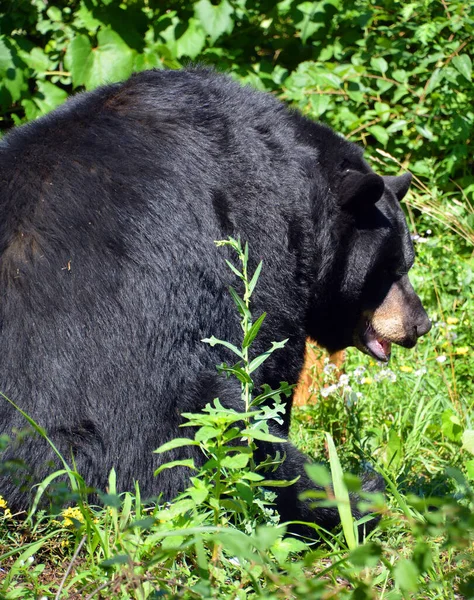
column 374, row 344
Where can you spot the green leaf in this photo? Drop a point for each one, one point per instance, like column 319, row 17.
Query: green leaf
column 238, row 461
column 215, row 19
column 282, row 548
column 463, row 64
column 12, row 77
column 213, row 341
column 379, row 133
column 319, row 104
column 187, row 462
column 435, row 80
column 192, row 41
column 253, row 331
column 278, row 483
column 258, row 434
column 256, row 362
column 47, row 98
column 406, row 575
column 54, row 14
column 111, row 61
column 451, row 426
column 319, row 474
column 242, row 308
column 198, row 491
column 367, row 555
column 176, row 443
column 308, row 24
column 468, row 440
column 6, row 59
column 341, row 494
column 470, row 469
column 379, row 64
column 76, row 59
column 256, row 275
column 206, row 433
column 119, row 559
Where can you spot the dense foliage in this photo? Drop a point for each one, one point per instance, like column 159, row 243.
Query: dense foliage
column 397, row 78
column 394, row 77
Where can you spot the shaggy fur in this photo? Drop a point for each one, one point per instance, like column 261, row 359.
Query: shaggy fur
column 110, row 279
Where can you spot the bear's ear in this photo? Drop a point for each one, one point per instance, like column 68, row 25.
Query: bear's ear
column 359, row 190
column 399, row 184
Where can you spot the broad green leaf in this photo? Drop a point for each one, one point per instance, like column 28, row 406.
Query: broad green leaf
column 463, row 64
column 176, row 443
column 379, row 64
column 54, row 14
column 367, row 555
column 85, row 18
column 308, row 24
column 111, row 61
column 379, row 133
column 237, row 461
column 468, row 440
column 12, row 77
column 198, row 491
column 206, row 433
column 406, row 575
column 470, row 469
column 6, row 59
column 319, row 103
column 215, row 19
column 422, row 556
column 451, row 426
column 319, row 474
column 192, row 41
column 47, row 98
column 77, row 58
column 282, row 548
column 36, row 60
column 435, row 79
column 265, row 536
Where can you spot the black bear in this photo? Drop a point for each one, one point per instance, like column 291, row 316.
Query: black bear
column 110, row 279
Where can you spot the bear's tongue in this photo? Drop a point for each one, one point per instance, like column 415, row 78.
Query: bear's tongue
column 377, row 346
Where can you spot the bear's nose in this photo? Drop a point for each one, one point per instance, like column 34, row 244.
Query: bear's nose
column 422, row 326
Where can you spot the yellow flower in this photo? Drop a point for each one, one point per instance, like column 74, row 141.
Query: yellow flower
column 72, row 513
column 367, row 380
column 3, row 502
column 462, row 350
column 452, row 321
column 406, row 369
column 7, row 514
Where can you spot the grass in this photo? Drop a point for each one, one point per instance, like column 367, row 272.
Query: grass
column 405, row 420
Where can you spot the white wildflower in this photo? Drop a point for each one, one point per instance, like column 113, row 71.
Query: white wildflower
column 343, row 380
column 420, row 372
column 326, row 391
column 441, row 358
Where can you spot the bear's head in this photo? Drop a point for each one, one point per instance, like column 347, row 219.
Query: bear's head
column 367, row 298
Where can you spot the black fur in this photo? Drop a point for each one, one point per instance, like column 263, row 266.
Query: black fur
column 110, row 279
